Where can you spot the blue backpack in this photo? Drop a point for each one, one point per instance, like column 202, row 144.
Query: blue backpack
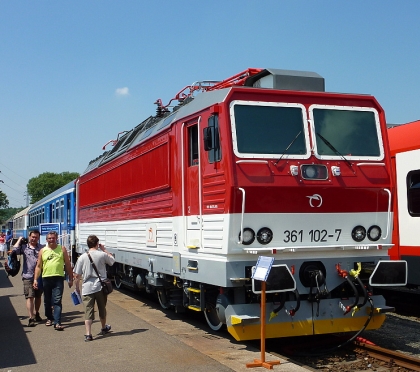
column 13, row 264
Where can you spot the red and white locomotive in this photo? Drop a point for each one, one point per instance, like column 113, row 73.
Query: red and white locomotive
column 404, row 142
column 265, row 163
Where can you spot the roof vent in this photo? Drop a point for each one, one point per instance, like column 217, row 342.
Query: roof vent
column 287, row 80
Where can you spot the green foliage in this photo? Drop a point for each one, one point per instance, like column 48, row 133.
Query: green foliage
column 4, row 202
column 7, row 213
column 44, row 184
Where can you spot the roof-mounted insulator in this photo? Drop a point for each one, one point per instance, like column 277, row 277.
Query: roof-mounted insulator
column 160, row 109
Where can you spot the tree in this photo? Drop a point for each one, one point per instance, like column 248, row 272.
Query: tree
column 7, row 213
column 46, row 183
column 4, row 202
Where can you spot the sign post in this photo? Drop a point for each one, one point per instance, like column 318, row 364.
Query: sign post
column 261, row 272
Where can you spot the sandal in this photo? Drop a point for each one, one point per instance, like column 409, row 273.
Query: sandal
column 106, row 329
column 48, row 323
column 58, row 327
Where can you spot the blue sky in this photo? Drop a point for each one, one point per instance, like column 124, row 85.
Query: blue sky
column 75, row 73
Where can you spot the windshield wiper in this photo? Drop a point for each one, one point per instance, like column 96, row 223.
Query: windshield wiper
column 288, row 147
column 334, row 149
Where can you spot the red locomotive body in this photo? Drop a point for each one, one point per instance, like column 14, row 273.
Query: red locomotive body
column 264, row 163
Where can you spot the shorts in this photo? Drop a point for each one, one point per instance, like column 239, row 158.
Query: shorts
column 29, row 291
column 2, row 247
column 89, row 303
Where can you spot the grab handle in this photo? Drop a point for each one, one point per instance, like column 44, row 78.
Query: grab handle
column 389, row 214
column 241, row 239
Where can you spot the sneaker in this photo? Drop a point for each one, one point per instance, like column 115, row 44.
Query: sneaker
column 88, row 338
column 106, row 329
column 31, row 322
column 38, row 317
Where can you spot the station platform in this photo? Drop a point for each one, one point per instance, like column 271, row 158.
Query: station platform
column 144, row 337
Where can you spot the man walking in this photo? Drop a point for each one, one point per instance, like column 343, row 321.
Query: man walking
column 89, row 265
column 52, row 260
column 30, row 252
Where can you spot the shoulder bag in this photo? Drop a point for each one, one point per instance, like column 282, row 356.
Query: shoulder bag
column 106, row 283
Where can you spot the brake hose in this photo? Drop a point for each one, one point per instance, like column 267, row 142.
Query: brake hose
column 277, row 309
column 293, row 311
column 344, row 274
column 365, row 299
column 290, row 312
column 355, row 274
column 356, row 295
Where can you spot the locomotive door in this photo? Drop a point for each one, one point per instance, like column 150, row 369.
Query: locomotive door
column 192, row 184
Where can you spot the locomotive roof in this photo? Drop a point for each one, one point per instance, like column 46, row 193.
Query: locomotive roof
column 404, row 137
column 215, row 93
column 153, row 125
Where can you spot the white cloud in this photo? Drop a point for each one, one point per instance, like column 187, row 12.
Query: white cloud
column 122, row 91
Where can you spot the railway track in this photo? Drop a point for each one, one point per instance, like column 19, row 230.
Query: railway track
column 390, row 357
column 394, row 347
column 358, row 356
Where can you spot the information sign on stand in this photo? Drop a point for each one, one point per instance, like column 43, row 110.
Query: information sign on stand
column 262, row 269
column 261, row 272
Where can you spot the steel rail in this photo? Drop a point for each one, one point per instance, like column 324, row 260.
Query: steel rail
column 390, row 356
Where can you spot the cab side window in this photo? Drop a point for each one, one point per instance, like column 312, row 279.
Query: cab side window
column 211, row 139
column 413, row 193
column 193, row 158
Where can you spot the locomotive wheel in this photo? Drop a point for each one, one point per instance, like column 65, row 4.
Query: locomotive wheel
column 212, row 317
column 117, row 280
column 163, row 299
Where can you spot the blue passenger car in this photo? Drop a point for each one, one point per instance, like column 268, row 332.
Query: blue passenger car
column 59, row 208
column 20, row 224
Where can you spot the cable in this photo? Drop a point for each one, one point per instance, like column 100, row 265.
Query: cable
column 10, row 187
column 13, row 171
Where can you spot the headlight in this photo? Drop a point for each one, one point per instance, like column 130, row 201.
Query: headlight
column 374, row 233
column 249, row 236
column 314, row 172
column 358, row 233
column 264, row 235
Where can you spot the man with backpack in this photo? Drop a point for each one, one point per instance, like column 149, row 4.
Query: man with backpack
column 30, row 251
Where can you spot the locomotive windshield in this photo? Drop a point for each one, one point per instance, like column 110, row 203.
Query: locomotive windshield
column 350, row 133
column 269, row 129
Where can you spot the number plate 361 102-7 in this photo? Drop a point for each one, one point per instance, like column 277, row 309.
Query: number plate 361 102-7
column 313, row 236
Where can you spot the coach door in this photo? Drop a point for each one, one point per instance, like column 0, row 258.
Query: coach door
column 192, row 184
